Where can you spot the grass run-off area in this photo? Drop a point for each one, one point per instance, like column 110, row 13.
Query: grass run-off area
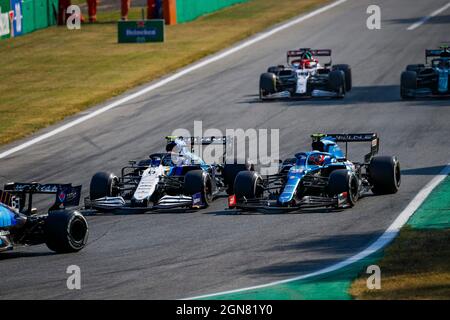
column 54, row 73
column 417, row 264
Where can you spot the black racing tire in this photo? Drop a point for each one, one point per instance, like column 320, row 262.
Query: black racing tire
column 347, row 74
column 230, row 171
column 102, row 185
column 408, row 81
column 415, row 67
column 267, row 84
column 385, row 174
column 248, row 184
column 336, row 82
column 341, row 181
column 66, row 231
column 198, row 181
column 273, row 69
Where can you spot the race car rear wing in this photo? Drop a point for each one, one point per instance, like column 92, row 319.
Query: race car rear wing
column 443, row 52
column 204, row 141
column 353, row 137
column 315, row 52
column 66, row 194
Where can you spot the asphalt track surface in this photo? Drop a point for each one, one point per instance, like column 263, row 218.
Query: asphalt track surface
column 177, row 255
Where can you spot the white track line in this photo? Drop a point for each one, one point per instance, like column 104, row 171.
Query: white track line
column 425, row 19
column 171, row 78
column 388, row 235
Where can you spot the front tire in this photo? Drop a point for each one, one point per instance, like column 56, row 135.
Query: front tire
column 408, row 81
column 230, row 171
column 347, row 74
column 198, row 181
column 341, row 181
column 248, row 184
column 103, row 185
column 385, row 174
column 337, row 83
column 66, row 231
column 267, row 84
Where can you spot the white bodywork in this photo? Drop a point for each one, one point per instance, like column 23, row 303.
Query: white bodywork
column 302, row 80
column 149, row 181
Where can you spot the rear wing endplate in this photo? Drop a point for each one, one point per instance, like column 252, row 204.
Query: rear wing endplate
column 66, row 194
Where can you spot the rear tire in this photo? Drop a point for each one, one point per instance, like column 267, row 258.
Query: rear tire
column 102, row 185
column 248, row 185
column 341, row 181
column 385, row 174
column 267, row 84
column 415, row 67
column 347, row 74
column 273, row 69
column 198, row 181
column 408, row 81
column 230, row 171
column 66, row 231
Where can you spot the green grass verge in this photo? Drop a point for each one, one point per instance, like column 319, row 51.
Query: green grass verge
column 417, row 264
column 54, row 73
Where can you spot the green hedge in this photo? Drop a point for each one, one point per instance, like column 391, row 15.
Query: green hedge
column 188, row 10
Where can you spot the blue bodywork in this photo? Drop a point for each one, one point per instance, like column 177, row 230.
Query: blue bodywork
column 7, row 217
column 443, row 73
column 333, row 156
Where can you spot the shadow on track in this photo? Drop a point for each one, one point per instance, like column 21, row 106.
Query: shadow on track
column 23, row 254
column 343, row 245
column 424, row 171
column 445, row 19
column 358, row 95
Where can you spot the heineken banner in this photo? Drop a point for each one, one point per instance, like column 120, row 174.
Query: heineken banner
column 141, row 31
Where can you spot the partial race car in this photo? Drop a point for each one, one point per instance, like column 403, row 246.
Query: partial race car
column 323, row 177
column 429, row 79
column 63, row 230
column 304, row 76
column 176, row 179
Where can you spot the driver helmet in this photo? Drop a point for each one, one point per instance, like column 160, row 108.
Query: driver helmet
column 316, row 159
column 297, row 63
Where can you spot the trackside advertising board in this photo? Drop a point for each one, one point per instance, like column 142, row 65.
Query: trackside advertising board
column 18, row 17
column 141, row 31
column 5, row 23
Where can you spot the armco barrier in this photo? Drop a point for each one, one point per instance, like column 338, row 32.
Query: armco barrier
column 188, row 10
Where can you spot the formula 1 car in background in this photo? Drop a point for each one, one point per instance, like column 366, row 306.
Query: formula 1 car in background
column 63, row 230
column 175, row 179
column 305, row 76
column 323, row 177
column 429, row 79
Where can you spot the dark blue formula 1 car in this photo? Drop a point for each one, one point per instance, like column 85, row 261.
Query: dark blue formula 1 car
column 323, row 177
column 429, row 79
column 63, row 230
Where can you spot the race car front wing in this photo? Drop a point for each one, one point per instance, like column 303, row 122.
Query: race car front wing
column 118, row 204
